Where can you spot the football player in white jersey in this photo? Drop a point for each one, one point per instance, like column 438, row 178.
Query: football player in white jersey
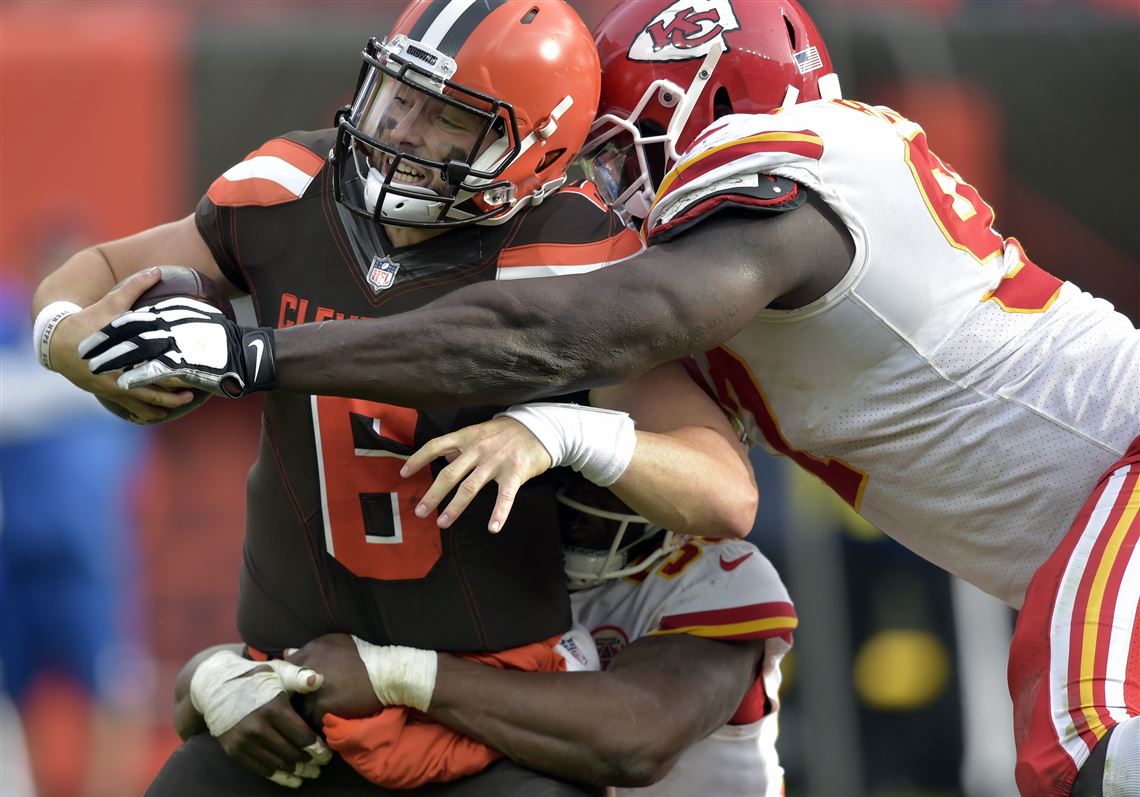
column 682, row 638
column 857, row 312
column 673, row 665
column 633, row 580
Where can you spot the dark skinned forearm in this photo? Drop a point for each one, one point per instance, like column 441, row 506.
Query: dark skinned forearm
column 498, row 342
column 623, row 727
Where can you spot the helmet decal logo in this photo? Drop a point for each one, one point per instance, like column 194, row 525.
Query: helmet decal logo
column 685, row 30
column 808, row 60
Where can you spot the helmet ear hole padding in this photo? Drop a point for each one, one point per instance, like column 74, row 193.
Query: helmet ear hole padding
column 722, row 103
column 549, row 158
column 791, row 32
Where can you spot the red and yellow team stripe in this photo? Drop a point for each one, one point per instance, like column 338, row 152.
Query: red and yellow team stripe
column 755, row 621
column 1094, row 610
column 1027, row 288
column 804, row 143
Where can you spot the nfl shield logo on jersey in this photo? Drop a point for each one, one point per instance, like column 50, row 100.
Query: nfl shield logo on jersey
column 382, row 273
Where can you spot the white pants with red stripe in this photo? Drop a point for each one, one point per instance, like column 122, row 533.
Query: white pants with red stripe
column 1074, row 665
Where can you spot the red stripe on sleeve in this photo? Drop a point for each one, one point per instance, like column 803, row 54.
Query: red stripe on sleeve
column 735, row 621
column 254, row 191
column 292, row 153
column 625, row 244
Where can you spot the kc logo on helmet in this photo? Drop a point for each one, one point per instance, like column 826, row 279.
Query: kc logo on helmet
column 684, row 30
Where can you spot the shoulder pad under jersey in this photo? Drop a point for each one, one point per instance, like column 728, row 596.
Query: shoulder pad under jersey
column 763, row 194
column 277, row 172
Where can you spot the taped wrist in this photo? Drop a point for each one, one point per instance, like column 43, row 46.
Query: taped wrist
column 44, row 327
column 259, row 353
column 223, row 690
column 595, row 442
column 400, row 676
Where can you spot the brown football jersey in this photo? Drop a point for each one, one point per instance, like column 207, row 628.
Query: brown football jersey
column 332, row 543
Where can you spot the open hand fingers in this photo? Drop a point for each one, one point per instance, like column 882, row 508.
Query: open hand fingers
column 508, row 489
column 427, row 453
column 478, row 478
column 454, row 474
column 125, row 294
column 141, row 405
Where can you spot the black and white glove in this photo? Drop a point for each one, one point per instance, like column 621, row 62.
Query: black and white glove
column 185, row 339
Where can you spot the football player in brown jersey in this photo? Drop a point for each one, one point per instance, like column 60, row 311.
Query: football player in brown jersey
column 448, row 169
column 903, row 387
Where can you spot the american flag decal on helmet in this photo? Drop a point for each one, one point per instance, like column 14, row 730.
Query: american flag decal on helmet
column 808, row 60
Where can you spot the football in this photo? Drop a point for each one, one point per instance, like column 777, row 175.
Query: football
column 180, row 281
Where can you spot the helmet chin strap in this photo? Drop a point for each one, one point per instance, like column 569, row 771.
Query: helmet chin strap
column 400, row 206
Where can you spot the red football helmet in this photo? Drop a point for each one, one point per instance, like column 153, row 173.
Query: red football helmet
column 466, row 112
column 670, row 67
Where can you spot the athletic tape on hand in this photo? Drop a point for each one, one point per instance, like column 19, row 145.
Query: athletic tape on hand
column 224, row 688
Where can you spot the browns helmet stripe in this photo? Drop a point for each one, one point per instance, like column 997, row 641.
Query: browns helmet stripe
column 446, row 24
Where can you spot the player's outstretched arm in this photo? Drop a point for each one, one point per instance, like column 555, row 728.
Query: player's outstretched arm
column 689, row 472
column 498, row 342
column 622, row 727
column 682, row 468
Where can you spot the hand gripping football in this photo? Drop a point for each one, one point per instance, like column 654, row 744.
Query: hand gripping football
column 180, row 281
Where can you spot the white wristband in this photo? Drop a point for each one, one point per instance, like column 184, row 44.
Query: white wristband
column 400, row 676
column 598, row 443
column 44, row 327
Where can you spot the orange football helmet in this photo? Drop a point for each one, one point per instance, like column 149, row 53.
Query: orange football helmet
column 466, row 112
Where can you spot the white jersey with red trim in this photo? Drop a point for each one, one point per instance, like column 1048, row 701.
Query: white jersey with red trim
column 958, row 396
column 717, row 589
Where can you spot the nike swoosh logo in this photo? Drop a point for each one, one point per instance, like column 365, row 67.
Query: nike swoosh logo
column 258, row 346
column 732, row 564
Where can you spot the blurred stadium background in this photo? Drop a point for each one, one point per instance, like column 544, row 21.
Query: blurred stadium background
column 117, row 116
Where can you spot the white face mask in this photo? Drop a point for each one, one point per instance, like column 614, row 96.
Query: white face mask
column 589, row 566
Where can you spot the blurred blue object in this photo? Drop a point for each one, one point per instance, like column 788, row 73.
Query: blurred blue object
column 67, row 535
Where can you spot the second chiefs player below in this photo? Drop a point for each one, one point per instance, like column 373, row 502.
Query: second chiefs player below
column 444, row 174
column 687, row 634
column 860, row 314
